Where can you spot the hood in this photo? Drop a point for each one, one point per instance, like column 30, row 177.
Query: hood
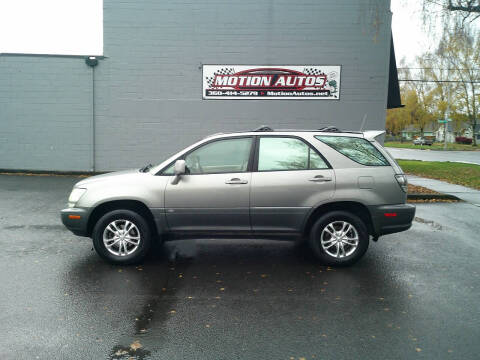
column 108, row 176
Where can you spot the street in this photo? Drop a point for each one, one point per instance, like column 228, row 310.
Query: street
column 414, row 295
column 472, row 157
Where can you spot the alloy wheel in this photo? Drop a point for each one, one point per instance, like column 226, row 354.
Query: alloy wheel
column 339, row 239
column 121, row 237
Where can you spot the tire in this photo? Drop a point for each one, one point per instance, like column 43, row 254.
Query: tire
column 125, row 248
column 325, row 245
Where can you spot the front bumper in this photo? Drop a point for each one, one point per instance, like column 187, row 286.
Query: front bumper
column 389, row 219
column 76, row 220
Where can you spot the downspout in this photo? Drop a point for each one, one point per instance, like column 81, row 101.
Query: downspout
column 92, row 61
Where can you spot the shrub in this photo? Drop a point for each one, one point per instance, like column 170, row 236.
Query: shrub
column 463, row 140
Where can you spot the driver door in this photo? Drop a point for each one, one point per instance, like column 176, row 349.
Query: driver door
column 214, row 194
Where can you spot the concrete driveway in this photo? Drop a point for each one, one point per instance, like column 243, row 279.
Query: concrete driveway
column 472, row 157
column 415, row 295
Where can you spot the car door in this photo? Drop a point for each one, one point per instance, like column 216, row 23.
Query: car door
column 214, row 194
column 290, row 178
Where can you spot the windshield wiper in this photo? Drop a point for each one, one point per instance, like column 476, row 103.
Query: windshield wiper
column 146, row 168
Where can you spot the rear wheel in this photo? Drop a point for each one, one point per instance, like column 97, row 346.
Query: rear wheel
column 339, row 238
column 122, row 237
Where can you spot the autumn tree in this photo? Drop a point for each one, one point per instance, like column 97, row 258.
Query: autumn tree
column 460, row 50
column 415, row 112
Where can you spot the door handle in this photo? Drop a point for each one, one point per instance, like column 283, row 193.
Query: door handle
column 320, row 178
column 236, row 181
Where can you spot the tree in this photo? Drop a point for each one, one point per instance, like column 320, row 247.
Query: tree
column 460, row 12
column 415, row 112
column 461, row 51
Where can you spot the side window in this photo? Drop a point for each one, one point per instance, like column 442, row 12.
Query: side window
column 285, row 153
column 169, row 170
column 356, row 149
column 222, row 156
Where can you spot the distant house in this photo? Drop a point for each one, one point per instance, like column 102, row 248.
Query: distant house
column 412, row 131
column 463, row 129
column 468, row 132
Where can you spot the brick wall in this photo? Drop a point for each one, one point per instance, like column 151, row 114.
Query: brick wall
column 45, row 113
column 148, row 88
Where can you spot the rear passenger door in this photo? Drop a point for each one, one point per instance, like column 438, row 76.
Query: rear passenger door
column 289, row 178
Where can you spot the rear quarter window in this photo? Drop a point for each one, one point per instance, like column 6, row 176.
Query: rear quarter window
column 356, row 149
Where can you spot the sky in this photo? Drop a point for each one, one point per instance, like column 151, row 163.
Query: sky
column 74, row 27
column 409, row 34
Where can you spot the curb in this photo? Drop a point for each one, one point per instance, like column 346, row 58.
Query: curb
column 49, row 173
column 432, row 197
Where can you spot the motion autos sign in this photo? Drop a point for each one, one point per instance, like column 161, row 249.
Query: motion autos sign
column 271, row 82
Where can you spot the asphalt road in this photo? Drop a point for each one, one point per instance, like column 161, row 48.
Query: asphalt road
column 472, row 157
column 414, row 295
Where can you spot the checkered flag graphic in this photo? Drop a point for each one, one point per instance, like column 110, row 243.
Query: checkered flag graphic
column 313, row 71
column 222, row 71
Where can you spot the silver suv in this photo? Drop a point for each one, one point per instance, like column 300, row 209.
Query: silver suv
column 332, row 189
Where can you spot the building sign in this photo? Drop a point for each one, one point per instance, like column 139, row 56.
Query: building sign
column 271, row 82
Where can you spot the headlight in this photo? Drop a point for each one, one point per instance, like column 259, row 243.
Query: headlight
column 75, row 195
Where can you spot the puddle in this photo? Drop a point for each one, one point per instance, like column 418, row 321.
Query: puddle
column 155, row 310
column 431, row 223
column 134, row 351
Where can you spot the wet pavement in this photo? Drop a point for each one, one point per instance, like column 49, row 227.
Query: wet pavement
column 470, row 157
column 414, row 295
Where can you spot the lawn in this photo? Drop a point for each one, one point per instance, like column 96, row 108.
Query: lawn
column 455, row 173
column 435, row 146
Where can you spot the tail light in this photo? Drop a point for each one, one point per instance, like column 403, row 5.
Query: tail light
column 402, row 181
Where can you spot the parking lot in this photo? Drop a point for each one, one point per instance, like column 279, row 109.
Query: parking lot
column 414, row 295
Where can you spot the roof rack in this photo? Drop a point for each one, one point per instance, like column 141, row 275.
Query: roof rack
column 329, row 129
column 262, row 128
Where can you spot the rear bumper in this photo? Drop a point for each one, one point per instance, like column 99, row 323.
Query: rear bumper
column 389, row 219
column 76, row 220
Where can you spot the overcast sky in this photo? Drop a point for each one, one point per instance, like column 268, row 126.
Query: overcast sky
column 75, row 27
column 409, row 34
column 71, row 27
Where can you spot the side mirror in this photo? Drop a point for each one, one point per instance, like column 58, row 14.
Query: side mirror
column 179, row 170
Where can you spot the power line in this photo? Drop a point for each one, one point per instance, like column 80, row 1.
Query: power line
column 427, row 68
column 440, row 81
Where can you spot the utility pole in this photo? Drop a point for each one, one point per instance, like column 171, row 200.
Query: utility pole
column 447, row 115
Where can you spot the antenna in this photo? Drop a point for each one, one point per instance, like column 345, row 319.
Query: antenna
column 363, row 122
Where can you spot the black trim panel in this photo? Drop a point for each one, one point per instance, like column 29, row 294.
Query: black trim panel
column 384, row 225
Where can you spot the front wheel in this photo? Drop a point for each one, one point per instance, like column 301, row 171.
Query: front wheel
column 122, row 237
column 339, row 238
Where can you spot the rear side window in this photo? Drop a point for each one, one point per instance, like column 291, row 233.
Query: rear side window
column 284, row 153
column 356, row 149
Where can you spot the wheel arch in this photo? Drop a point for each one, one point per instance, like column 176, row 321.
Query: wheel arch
column 133, row 205
column 353, row 207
